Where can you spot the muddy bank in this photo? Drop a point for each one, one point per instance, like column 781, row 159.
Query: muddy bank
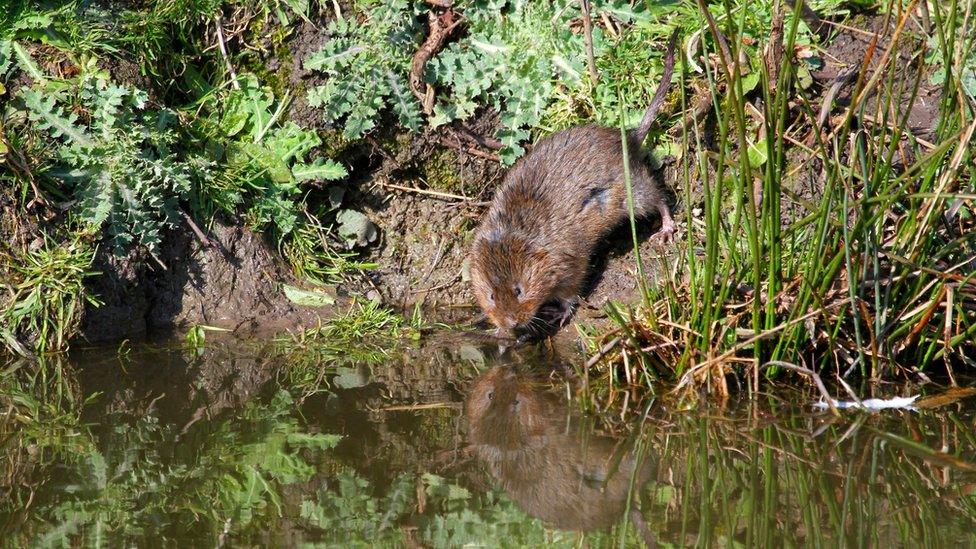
column 233, row 281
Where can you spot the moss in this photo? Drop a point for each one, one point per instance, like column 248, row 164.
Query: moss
column 334, row 144
column 441, row 174
column 279, row 79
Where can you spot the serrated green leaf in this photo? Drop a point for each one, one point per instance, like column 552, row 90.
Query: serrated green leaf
column 44, row 110
column 291, row 142
column 320, row 169
column 27, row 64
column 6, row 56
column 404, row 103
column 97, row 199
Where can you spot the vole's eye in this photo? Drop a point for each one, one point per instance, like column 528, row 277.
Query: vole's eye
column 518, row 291
column 491, row 395
column 491, row 297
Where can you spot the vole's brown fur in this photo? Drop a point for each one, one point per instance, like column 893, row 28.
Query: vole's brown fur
column 556, row 203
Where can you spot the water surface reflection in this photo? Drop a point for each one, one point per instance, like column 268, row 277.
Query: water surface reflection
column 546, row 457
column 446, row 444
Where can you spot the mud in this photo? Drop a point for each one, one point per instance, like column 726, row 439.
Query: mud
column 234, row 284
column 849, row 49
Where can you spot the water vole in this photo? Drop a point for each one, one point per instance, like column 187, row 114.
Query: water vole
column 534, row 246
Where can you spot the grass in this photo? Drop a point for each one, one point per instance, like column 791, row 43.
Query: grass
column 873, row 274
column 365, row 334
column 45, row 293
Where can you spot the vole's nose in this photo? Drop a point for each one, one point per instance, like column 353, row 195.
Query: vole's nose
column 506, row 330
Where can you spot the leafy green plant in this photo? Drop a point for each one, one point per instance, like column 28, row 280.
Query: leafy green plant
column 510, row 61
column 526, row 60
column 117, row 157
column 266, row 156
column 55, row 24
column 129, row 485
column 952, row 52
column 367, row 63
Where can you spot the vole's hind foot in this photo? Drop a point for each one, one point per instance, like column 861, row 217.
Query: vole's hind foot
column 667, row 225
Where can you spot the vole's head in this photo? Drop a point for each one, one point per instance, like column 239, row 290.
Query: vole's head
column 511, row 279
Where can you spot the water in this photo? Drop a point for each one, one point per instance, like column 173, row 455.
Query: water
column 441, row 443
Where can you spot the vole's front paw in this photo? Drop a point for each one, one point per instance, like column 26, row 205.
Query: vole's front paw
column 666, row 232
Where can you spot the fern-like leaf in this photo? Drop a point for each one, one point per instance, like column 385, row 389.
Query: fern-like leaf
column 97, row 198
column 404, row 103
column 44, row 110
column 27, row 63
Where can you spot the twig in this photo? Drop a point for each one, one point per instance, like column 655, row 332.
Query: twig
column 608, row 23
column 602, row 352
column 223, row 51
column 690, row 374
column 588, row 35
column 848, row 28
column 440, row 27
column 160, row 261
column 196, row 230
column 774, row 52
column 488, row 142
column 427, row 192
column 813, row 375
column 415, row 407
column 470, row 150
column 828, row 101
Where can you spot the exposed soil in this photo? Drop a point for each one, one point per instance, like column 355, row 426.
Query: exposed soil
column 849, row 49
column 233, row 284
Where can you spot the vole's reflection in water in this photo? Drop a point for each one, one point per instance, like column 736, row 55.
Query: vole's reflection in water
column 522, row 429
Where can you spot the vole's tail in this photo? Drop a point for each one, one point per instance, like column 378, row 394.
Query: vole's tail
column 641, row 131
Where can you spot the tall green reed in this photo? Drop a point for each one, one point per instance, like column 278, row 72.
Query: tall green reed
column 873, row 275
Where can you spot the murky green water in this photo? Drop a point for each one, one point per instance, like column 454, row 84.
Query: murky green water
column 444, row 444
